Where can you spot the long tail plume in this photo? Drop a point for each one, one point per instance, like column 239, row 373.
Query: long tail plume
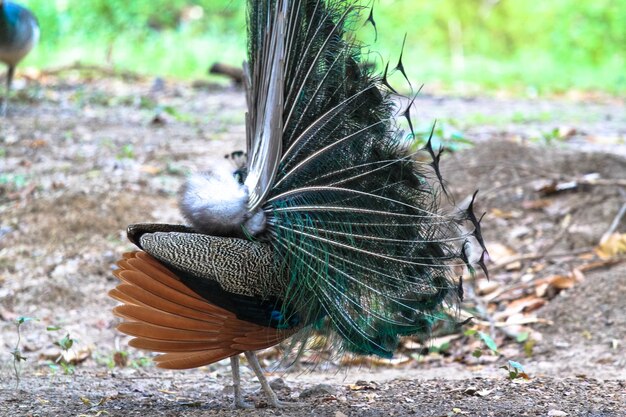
column 352, row 215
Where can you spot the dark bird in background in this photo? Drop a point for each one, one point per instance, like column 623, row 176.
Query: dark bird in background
column 331, row 223
column 19, row 32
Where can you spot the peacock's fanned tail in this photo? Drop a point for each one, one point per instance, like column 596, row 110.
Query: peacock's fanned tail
column 351, row 214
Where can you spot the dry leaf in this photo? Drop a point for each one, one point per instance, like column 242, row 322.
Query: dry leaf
column 72, row 356
column 75, row 357
column 150, row 169
column 600, row 264
column 440, row 341
column 565, row 132
column 503, row 214
column 522, row 378
column 499, row 252
column 513, row 266
column 550, row 286
column 120, row 359
column 412, row 345
column 541, row 289
column 484, row 287
column 613, row 245
column 390, row 362
column 578, row 275
column 363, row 386
column 536, row 204
column 561, row 282
column 605, row 140
column 525, row 305
column 37, row 143
column 587, row 256
column 353, row 360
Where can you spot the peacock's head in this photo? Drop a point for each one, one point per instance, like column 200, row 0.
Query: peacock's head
column 216, row 203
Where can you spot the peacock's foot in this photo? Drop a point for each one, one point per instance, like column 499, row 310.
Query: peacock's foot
column 276, row 403
column 239, row 403
column 272, row 399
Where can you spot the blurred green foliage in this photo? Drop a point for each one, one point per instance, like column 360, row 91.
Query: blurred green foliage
column 523, row 45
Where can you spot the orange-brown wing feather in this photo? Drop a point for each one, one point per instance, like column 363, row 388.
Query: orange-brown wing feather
column 152, row 268
column 139, row 296
column 193, row 359
column 154, row 286
column 166, row 316
column 169, row 346
column 162, row 318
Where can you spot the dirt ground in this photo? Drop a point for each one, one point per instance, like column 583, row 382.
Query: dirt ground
column 81, row 160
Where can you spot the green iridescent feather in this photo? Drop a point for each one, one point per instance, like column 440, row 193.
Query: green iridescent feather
column 354, row 219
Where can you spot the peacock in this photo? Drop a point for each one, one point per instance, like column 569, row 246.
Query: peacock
column 328, row 221
column 19, row 32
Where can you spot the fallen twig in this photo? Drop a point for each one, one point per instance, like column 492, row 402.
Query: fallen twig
column 234, row 73
column 574, row 184
column 613, row 227
column 602, row 264
column 613, row 182
column 535, row 256
column 518, row 322
column 108, row 71
column 496, row 296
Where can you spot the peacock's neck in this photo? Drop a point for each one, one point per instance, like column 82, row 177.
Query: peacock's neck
column 8, row 19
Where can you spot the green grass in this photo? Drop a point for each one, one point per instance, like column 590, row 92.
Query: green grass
column 463, row 45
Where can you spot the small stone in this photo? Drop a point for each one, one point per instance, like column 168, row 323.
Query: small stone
column 557, row 413
column 520, row 232
column 63, row 270
column 5, row 230
column 278, row 384
column 318, row 390
column 484, row 392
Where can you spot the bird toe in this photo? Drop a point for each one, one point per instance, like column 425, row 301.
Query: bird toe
column 241, row 404
column 285, row 404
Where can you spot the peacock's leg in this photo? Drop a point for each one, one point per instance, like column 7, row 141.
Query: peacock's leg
column 5, row 102
column 234, row 366
column 272, row 399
